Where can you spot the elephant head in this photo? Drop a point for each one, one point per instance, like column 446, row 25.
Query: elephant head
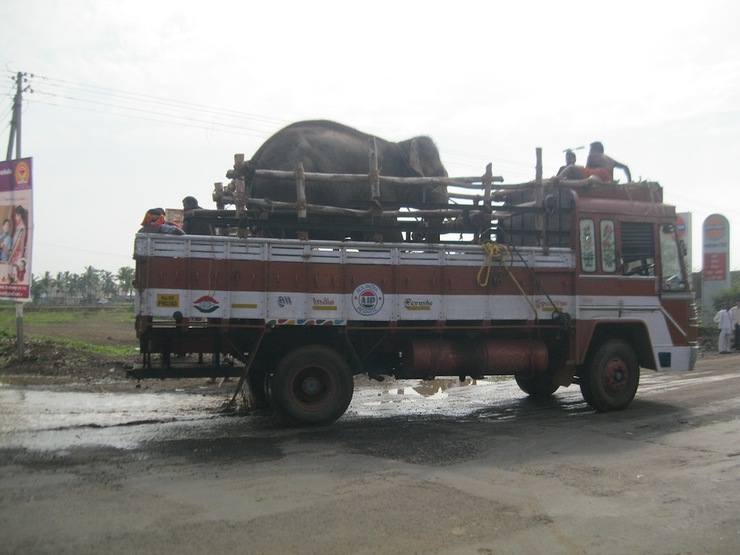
column 422, row 157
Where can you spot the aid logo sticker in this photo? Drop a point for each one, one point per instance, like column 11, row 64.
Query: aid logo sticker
column 206, row 304
column 367, row 299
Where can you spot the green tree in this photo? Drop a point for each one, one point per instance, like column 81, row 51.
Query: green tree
column 89, row 284
column 74, row 288
column 88, row 287
column 62, row 286
column 125, row 279
column 41, row 288
column 107, row 283
column 727, row 296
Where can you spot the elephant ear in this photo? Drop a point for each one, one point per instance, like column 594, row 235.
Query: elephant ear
column 415, row 157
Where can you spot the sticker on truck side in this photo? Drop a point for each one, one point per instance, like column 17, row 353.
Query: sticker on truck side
column 168, row 300
column 367, row 299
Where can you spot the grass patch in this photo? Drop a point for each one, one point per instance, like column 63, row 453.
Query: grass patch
column 111, row 350
column 66, row 315
column 107, row 331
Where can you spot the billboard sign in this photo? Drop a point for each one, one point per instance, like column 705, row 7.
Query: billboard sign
column 715, row 260
column 16, row 224
column 716, row 242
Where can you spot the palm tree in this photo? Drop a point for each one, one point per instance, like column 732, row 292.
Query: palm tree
column 68, row 288
column 107, row 283
column 41, row 287
column 89, row 282
column 35, row 289
column 74, row 287
column 62, row 286
column 125, row 279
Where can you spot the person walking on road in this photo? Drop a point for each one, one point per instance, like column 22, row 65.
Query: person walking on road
column 735, row 316
column 724, row 323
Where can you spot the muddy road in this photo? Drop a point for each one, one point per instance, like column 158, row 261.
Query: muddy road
column 409, row 469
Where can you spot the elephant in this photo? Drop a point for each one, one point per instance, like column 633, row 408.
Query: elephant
column 329, row 147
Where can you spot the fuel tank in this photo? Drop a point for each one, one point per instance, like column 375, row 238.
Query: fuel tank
column 428, row 358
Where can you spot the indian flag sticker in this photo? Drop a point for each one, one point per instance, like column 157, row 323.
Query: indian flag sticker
column 206, row 304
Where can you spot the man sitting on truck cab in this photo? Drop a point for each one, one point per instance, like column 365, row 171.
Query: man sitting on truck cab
column 570, row 160
column 597, row 160
column 598, row 164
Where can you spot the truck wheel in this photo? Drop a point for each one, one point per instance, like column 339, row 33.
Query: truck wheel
column 258, row 385
column 610, row 382
column 311, row 386
column 539, row 387
column 585, row 387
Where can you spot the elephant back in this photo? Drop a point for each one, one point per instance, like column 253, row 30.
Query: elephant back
column 324, row 146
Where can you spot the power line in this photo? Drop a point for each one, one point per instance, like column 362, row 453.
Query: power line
column 164, row 109
column 189, row 114
column 145, row 107
column 163, row 118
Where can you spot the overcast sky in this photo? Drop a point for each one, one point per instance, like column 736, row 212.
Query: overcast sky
column 136, row 104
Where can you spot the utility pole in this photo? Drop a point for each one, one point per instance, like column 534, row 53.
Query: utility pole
column 15, row 122
column 15, row 138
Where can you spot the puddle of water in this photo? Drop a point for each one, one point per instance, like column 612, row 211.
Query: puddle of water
column 51, row 420
column 442, row 396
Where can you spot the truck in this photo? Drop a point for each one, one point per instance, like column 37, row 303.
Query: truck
column 550, row 281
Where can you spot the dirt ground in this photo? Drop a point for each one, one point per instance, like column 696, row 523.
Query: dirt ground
column 53, row 362
column 47, row 358
column 89, row 463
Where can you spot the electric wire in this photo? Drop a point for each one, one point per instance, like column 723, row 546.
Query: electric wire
column 92, row 98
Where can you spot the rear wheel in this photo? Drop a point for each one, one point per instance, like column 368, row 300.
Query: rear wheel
column 311, row 386
column 258, row 385
column 610, row 381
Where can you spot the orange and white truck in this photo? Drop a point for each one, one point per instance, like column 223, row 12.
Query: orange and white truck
column 554, row 283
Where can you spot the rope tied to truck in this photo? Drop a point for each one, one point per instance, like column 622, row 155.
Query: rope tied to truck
column 494, row 252
column 497, row 252
column 500, row 252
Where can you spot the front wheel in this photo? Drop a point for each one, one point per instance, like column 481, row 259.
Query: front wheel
column 610, row 381
column 311, row 386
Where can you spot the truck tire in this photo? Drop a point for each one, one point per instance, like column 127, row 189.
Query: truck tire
column 610, row 381
column 258, row 385
column 537, row 387
column 311, row 386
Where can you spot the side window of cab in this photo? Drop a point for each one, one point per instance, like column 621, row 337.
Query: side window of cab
column 637, row 249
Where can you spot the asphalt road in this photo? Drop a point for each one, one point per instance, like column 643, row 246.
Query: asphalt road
column 411, row 468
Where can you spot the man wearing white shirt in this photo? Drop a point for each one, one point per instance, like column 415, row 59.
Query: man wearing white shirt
column 735, row 317
column 724, row 323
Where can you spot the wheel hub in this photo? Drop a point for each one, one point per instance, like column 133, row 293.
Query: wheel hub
column 311, row 385
column 615, row 375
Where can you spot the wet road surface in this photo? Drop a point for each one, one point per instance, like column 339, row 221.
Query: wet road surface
column 412, row 467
